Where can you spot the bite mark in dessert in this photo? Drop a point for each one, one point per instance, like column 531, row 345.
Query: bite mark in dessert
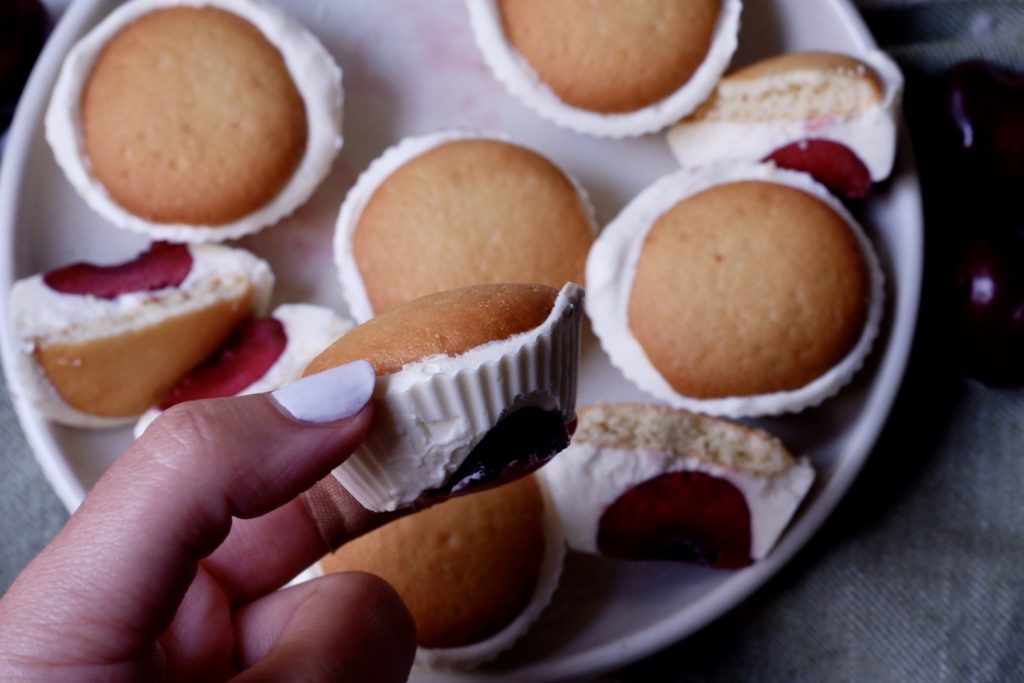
column 450, row 368
column 517, row 446
column 162, row 265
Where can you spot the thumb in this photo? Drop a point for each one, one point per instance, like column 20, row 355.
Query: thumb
column 170, row 500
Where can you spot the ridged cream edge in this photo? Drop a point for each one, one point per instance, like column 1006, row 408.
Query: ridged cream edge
column 548, row 576
column 612, row 262
column 522, row 82
column 423, row 432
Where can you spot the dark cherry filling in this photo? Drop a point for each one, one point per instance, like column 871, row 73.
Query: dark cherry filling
column 685, row 516
column 515, row 447
column 162, row 265
column 830, row 163
column 248, row 354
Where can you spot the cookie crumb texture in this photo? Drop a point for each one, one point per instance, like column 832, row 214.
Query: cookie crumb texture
column 191, row 116
column 611, row 56
column 748, row 288
column 465, row 568
column 470, row 212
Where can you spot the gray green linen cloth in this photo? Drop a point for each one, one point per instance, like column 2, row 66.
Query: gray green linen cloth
column 919, row 574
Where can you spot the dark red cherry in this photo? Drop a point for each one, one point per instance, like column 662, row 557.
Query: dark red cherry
column 249, row 353
column 684, row 516
column 24, row 25
column 163, row 265
column 519, row 444
column 986, row 104
column 832, row 164
column 989, row 309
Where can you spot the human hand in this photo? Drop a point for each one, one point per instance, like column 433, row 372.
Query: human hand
column 169, row 570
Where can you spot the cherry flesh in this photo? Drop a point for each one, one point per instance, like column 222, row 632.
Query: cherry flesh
column 682, row 516
column 832, row 164
column 248, row 354
column 162, row 265
column 519, row 444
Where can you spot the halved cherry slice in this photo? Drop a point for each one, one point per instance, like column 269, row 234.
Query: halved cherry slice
column 519, row 444
column 832, row 164
column 685, row 516
column 250, row 352
column 162, row 265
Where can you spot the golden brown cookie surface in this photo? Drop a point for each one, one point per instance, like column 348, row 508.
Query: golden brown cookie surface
column 124, row 374
column 748, row 288
column 191, row 116
column 611, row 56
column 470, row 212
column 465, row 568
column 448, row 323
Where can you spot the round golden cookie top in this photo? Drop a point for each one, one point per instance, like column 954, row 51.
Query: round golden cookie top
column 465, row 568
column 748, row 288
column 191, row 116
column 445, row 323
column 468, row 212
column 611, row 56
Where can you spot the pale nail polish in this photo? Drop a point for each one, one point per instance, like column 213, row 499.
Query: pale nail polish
column 329, row 395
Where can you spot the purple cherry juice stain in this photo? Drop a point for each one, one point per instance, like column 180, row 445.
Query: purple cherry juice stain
column 162, row 265
column 249, row 353
column 515, row 447
column 682, row 516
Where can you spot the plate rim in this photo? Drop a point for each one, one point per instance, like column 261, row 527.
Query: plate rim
column 638, row 644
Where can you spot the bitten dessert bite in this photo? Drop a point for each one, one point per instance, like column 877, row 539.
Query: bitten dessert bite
column 611, row 68
column 196, row 121
column 647, row 482
column 831, row 115
column 453, row 209
column 474, row 571
column 735, row 289
column 101, row 344
column 261, row 355
column 475, row 386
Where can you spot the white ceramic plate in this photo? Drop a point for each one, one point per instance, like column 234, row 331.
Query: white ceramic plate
column 412, row 67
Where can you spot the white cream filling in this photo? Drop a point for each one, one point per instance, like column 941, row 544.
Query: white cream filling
column 41, row 315
column 217, row 273
column 585, row 479
column 870, row 134
column 353, row 289
column 308, row 330
column 519, row 78
column 611, row 267
column 549, row 573
column 315, row 73
column 432, row 413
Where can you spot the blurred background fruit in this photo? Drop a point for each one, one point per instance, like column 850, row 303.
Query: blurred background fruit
column 24, row 25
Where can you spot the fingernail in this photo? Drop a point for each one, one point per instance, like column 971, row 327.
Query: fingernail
column 329, row 395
